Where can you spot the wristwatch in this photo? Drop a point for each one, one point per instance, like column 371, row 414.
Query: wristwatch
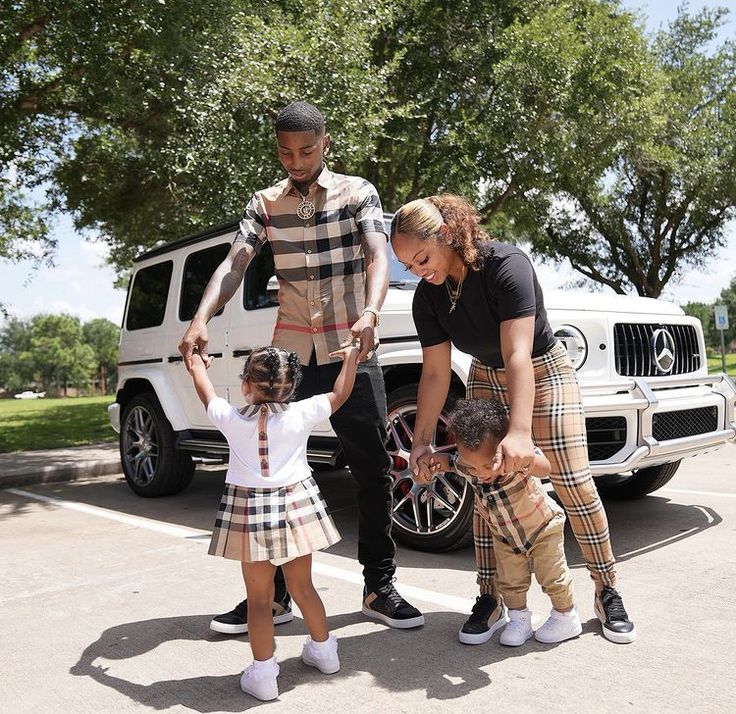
column 375, row 312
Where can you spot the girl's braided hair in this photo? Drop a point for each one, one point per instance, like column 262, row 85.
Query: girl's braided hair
column 274, row 374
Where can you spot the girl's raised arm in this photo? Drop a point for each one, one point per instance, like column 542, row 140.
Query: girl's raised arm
column 346, row 379
column 202, row 384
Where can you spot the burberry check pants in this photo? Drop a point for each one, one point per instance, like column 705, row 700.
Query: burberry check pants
column 558, row 429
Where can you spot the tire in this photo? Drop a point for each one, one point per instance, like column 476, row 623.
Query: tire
column 436, row 517
column 151, row 464
column 638, row 483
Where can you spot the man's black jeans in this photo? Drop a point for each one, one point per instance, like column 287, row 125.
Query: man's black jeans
column 360, row 425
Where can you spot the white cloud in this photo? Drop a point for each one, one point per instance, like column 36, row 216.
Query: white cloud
column 80, row 283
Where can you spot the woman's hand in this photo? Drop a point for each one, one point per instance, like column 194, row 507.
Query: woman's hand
column 419, row 463
column 515, row 452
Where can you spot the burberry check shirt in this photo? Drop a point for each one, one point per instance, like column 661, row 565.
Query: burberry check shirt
column 515, row 506
column 319, row 260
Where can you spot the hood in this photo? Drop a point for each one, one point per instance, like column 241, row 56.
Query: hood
column 398, row 300
column 606, row 302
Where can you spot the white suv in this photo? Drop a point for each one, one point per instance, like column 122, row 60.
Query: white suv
column 648, row 398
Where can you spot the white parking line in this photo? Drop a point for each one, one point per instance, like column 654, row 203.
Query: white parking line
column 447, row 602
column 718, row 494
column 137, row 521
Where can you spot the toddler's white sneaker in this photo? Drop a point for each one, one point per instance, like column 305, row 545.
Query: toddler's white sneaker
column 322, row 655
column 560, row 626
column 519, row 629
column 259, row 680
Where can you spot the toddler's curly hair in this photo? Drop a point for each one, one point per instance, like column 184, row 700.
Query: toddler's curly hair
column 472, row 421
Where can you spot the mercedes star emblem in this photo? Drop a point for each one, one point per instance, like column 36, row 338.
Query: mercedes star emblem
column 663, row 350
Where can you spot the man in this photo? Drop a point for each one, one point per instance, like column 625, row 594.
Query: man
column 329, row 244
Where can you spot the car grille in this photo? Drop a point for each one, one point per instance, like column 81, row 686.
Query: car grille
column 632, row 344
column 677, row 425
column 606, row 436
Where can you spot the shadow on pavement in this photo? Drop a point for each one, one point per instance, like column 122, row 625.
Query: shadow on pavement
column 395, row 659
column 637, row 527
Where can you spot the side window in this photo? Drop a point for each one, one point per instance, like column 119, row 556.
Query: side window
column 148, row 296
column 198, row 269
column 261, row 288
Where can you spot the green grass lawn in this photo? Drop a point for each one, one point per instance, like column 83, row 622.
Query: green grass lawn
column 27, row 424
column 715, row 364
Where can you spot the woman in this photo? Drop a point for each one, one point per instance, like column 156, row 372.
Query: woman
column 483, row 297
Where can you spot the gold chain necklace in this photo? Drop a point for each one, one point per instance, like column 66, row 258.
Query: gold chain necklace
column 455, row 294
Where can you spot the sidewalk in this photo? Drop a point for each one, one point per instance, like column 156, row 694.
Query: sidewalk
column 26, row 468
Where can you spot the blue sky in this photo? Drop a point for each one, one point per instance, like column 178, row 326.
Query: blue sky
column 80, row 283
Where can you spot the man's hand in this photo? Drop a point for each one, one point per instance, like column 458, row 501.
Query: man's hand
column 364, row 332
column 197, row 337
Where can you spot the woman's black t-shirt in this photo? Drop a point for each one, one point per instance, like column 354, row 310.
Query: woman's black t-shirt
column 504, row 288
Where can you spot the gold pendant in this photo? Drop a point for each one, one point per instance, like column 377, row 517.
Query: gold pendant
column 305, row 210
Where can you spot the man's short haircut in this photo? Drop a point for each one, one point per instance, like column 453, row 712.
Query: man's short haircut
column 472, row 421
column 301, row 116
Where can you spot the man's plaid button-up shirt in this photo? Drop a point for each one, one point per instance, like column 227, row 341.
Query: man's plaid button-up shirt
column 319, row 261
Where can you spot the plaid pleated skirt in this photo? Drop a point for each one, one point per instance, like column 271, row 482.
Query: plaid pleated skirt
column 269, row 524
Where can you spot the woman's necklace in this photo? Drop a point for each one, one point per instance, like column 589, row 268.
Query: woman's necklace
column 305, row 210
column 454, row 294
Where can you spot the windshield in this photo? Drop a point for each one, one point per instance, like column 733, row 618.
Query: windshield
column 398, row 275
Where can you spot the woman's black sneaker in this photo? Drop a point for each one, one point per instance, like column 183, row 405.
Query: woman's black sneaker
column 389, row 607
column 609, row 607
column 235, row 622
column 487, row 616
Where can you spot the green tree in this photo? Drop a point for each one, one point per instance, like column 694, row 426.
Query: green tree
column 704, row 312
column 727, row 298
column 503, row 96
column 103, row 336
column 661, row 203
column 60, row 355
column 151, row 120
column 17, row 368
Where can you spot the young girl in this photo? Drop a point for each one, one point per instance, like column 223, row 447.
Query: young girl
column 272, row 512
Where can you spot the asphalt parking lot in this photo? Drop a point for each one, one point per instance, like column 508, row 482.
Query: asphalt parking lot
column 106, row 600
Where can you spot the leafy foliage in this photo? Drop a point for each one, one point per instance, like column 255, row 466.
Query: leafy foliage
column 55, row 350
column 704, row 311
column 662, row 202
column 558, row 118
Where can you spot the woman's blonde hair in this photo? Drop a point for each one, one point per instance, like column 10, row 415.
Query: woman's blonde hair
column 424, row 217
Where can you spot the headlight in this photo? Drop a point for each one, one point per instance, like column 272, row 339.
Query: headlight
column 575, row 344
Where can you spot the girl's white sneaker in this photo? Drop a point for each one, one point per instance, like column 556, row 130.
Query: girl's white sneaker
column 519, row 629
column 560, row 626
column 259, row 680
column 322, row 655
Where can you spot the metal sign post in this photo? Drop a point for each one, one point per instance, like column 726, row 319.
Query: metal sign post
column 721, row 315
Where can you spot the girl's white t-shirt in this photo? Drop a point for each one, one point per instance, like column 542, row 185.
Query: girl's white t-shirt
column 287, row 430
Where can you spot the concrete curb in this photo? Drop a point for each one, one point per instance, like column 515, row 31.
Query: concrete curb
column 54, row 465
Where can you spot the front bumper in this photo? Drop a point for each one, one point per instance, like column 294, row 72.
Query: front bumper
column 638, row 402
